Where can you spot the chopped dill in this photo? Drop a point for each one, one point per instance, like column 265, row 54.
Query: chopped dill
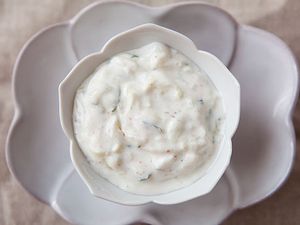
column 134, row 56
column 154, row 126
column 118, row 101
column 146, row 178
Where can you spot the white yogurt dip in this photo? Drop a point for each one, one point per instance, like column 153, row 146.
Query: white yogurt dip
column 148, row 120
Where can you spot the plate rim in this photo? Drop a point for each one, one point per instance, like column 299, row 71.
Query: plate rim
column 289, row 115
column 68, row 23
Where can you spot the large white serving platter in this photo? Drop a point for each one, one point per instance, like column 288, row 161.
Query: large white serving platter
column 263, row 147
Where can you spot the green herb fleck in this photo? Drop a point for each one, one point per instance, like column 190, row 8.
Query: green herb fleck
column 146, row 178
column 209, row 114
column 118, row 101
column 154, row 126
column 134, row 56
column 213, row 140
column 114, row 109
column 120, row 129
column 201, row 101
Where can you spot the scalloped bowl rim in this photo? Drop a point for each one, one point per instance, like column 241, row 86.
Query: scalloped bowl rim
column 175, row 40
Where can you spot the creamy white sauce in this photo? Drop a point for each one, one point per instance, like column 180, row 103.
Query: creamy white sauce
column 148, row 120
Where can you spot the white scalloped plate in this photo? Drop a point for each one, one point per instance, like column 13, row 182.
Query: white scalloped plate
column 263, row 147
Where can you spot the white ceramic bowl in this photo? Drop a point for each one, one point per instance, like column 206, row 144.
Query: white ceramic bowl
column 224, row 81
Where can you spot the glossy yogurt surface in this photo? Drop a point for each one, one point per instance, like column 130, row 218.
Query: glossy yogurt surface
column 149, row 120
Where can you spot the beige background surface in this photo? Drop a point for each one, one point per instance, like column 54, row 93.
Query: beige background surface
column 20, row 19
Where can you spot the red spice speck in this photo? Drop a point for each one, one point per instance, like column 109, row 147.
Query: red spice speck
column 168, row 151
